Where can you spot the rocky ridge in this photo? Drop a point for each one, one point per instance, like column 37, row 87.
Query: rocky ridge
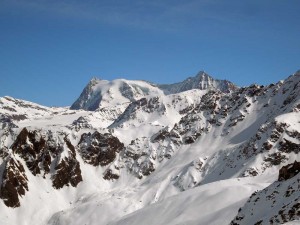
column 277, row 204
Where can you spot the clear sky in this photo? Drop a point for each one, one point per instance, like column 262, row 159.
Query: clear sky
column 49, row 50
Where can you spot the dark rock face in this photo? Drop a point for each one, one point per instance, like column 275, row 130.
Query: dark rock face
column 40, row 152
column 275, row 159
column 165, row 134
column 67, row 172
column 267, row 146
column 14, row 183
column 84, row 101
column 32, row 150
column 289, row 171
column 147, row 168
column 99, row 149
column 255, row 90
column 288, row 146
column 43, row 150
column 109, row 175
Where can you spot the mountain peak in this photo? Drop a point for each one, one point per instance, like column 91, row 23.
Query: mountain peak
column 94, row 79
column 203, row 76
column 102, row 93
column 202, row 81
column 202, row 73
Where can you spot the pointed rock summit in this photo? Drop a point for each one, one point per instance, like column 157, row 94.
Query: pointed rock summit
column 87, row 99
column 201, row 81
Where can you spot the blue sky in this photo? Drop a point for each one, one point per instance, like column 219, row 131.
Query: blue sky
column 49, row 50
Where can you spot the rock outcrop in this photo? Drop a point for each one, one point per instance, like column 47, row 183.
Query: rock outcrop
column 99, row 149
column 14, row 183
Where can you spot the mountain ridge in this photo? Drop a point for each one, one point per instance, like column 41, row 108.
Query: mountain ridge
column 92, row 95
column 201, row 81
column 131, row 160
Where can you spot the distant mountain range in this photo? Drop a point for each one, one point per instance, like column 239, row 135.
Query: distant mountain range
column 202, row 151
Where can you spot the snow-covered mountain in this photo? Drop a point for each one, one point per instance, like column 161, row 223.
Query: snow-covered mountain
column 129, row 152
column 102, row 93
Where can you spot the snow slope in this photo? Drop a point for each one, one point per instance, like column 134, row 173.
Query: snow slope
column 197, row 206
column 278, row 203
